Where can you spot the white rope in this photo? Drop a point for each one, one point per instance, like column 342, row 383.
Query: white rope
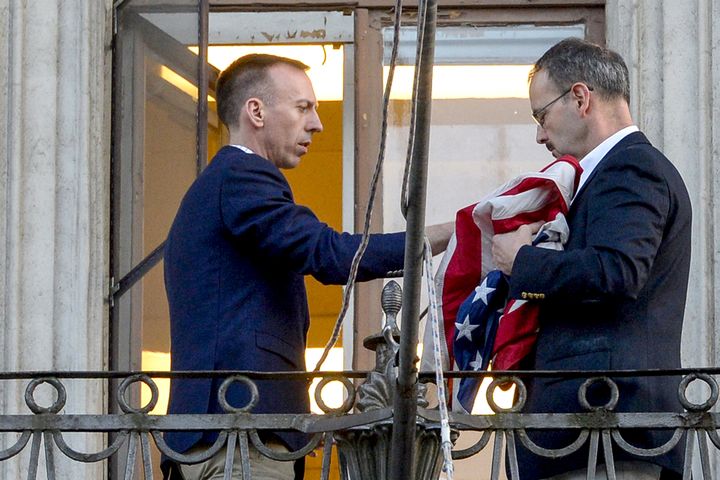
column 433, row 317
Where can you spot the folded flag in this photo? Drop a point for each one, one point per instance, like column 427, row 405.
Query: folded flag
column 478, row 319
column 480, row 323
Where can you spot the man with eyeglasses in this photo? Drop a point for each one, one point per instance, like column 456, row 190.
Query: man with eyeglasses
column 614, row 298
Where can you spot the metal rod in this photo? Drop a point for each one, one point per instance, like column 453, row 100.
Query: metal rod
column 138, row 272
column 202, row 101
column 564, row 374
column 405, row 403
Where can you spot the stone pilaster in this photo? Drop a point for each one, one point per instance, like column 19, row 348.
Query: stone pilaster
column 673, row 53
column 54, row 184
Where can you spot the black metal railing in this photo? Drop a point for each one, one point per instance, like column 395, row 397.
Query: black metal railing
column 362, row 436
column 361, row 429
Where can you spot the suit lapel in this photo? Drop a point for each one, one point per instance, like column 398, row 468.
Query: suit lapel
column 632, row 139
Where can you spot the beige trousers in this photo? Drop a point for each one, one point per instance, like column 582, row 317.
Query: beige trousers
column 623, row 471
column 261, row 467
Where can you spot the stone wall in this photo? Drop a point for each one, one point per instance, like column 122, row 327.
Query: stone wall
column 54, row 178
column 54, row 203
column 673, row 53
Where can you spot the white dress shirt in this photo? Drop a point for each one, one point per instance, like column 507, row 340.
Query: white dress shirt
column 592, row 159
column 243, row 148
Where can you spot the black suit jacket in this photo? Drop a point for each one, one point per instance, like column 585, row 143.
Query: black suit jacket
column 235, row 261
column 614, row 299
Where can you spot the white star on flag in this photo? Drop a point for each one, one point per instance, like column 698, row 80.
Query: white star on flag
column 477, row 363
column 482, row 292
column 465, row 329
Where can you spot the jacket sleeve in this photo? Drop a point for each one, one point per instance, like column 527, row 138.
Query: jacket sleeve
column 628, row 204
column 260, row 214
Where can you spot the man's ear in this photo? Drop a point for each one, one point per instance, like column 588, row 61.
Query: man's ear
column 254, row 108
column 581, row 97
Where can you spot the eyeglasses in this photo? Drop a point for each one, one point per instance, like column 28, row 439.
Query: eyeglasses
column 539, row 114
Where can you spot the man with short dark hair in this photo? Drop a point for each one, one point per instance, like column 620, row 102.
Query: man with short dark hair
column 615, row 297
column 236, row 257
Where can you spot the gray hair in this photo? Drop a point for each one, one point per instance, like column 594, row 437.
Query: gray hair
column 575, row 60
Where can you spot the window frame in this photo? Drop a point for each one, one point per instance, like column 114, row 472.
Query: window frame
column 370, row 16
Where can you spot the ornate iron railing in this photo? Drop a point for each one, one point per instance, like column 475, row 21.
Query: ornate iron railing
column 362, row 438
column 361, row 428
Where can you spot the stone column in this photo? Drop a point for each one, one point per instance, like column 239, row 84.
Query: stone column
column 54, row 204
column 673, row 52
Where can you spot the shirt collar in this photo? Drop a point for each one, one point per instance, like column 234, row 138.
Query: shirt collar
column 243, row 148
column 592, row 159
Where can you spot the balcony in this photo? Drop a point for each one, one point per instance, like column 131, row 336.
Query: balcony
column 362, row 438
column 360, row 430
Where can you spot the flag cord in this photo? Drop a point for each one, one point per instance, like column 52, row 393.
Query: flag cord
column 433, row 317
column 433, row 309
column 446, row 442
column 352, row 277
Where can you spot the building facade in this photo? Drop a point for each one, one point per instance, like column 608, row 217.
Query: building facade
column 57, row 217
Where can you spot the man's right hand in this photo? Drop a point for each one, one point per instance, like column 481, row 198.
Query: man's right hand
column 439, row 236
column 506, row 245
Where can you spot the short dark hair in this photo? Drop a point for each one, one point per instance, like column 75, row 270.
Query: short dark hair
column 575, row 60
column 245, row 78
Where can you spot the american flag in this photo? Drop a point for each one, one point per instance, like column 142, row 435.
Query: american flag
column 480, row 323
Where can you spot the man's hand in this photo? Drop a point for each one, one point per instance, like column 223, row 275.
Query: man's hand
column 506, row 245
column 439, row 236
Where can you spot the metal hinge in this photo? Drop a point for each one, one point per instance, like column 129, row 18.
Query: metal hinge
column 116, row 5
column 114, row 288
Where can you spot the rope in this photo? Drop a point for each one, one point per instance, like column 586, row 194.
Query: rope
column 433, row 308
column 404, row 200
column 446, row 442
column 373, row 190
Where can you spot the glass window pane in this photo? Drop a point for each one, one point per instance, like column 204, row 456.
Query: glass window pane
column 154, row 133
column 481, row 132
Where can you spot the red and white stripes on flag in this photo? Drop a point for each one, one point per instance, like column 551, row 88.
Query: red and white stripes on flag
column 531, row 197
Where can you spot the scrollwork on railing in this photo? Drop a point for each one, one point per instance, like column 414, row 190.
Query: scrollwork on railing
column 601, row 424
column 474, row 448
column 553, row 452
column 285, row 456
column 190, row 458
column 647, row 452
column 225, row 385
column 505, row 383
column 56, row 406
column 349, row 399
column 17, row 447
column 136, row 432
column 695, row 407
column 361, row 427
column 122, row 392
column 119, row 440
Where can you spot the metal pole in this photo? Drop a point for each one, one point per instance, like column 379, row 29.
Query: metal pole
column 202, row 102
column 405, row 403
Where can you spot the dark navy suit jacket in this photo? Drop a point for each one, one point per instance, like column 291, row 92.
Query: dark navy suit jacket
column 235, row 259
column 614, row 299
